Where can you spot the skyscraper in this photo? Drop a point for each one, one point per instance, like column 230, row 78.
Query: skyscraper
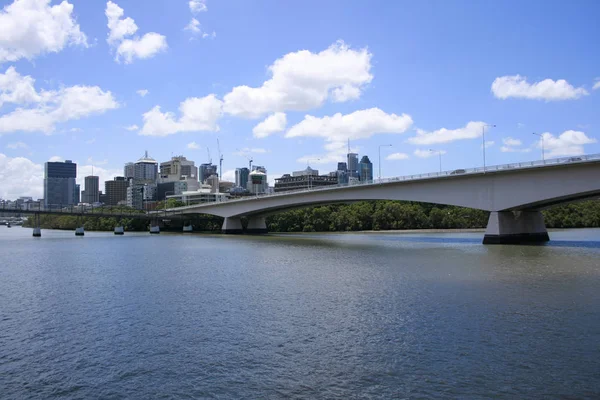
column 241, row 177
column 146, row 169
column 176, row 168
column 129, row 170
column 91, row 194
column 116, row 190
column 366, row 169
column 206, row 170
column 59, row 183
column 353, row 165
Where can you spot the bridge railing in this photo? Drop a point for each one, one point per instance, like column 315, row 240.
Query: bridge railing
column 430, row 175
column 70, row 209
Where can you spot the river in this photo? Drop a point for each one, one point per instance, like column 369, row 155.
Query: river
column 376, row 315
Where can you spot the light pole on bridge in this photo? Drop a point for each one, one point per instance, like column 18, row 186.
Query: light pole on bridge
column 310, row 173
column 483, row 139
column 439, row 153
column 380, row 146
column 543, row 155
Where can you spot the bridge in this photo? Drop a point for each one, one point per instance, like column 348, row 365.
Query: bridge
column 514, row 194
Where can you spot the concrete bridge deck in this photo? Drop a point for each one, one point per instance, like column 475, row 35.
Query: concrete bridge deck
column 513, row 193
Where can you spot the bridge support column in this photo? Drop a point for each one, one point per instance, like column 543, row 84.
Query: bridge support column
column 232, row 225
column 257, row 225
column 516, row 227
column 119, row 230
column 37, row 231
column 79, row 231
column 188, row 228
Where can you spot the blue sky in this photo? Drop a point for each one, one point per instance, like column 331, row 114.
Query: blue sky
column 418, row 75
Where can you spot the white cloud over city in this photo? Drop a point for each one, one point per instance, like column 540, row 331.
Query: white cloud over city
column 272, row 124
column 517, row 86
column 304, row 80
column 568, row 143
column 472, row 130
column 40, row 111
column 129, row 47
column 31, row 28
column 196, row 114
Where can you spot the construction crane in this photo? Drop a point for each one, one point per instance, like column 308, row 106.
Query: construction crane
column 242, row 153
column 220, row 159
column 208, row 151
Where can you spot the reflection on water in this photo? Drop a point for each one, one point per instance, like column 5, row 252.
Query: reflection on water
column 374, row 315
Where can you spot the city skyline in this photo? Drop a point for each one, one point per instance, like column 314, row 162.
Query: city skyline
column 370, row 75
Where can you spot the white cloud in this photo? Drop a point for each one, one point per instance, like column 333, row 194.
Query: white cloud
column 56, row 159
column 247, row 150
column 193, row 146
column 568, row 143
column 17, row 145
column 142, row 92
column 597, row 84
column 304, row 80
column 513, row 146
column 472, row 130
column 398, row 156
column 229, row 175
column 337, row 129
column 361, row 124
column 508, row 149
column 517, row 86
column 29, row 28
column 120, row 28
column 272, row 124
column 209, row 35
column 17, row 89
column 19, row 176
column 428, row 153
column 197, row 114
column 133, row 127
column 197, row 6
column 50, row 107
column 193, row 26
column 508, row 141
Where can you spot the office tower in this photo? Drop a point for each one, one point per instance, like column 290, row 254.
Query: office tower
column 116, row 190
column 91, row 194
column 176, row 168
column 352, row 165
column 146, row 169
column 241, row 177
column 366, row 169
column 129, row 170
column 59, row 183
column 206, row 170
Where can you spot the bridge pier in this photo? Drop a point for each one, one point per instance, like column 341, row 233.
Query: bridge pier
column 119, row 230
column 79, row 231
column 516, row 227
column 232, row 225
column 37, row 231
column 257, row 225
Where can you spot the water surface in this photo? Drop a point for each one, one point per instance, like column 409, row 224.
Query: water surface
column 298, row 316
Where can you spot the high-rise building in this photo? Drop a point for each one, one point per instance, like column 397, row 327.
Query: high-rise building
column 353, row 165
column 257, row 180
column 129, row 171
column 116, row 190
column 77, row 194
column 59, row 183
column 146, row 169
column 91, row 194
column 176, row 168
column 241, row 177
column 342, row 166
column 307, row 171
column 366, row 169
column 206, row 170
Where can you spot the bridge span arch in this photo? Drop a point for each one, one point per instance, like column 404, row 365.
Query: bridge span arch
column 514, row 195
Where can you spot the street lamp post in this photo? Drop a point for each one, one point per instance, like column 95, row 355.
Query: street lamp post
column 439, row 152
column 483, row 138
column 543, row 155
column 380, row 146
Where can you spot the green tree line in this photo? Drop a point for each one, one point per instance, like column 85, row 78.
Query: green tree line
column 364, row 215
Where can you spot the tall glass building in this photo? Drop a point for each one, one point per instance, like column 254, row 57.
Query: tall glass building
column 59, row 183
column 241, row 177
column 366, row 169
